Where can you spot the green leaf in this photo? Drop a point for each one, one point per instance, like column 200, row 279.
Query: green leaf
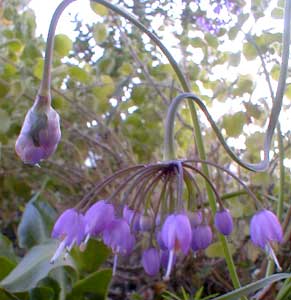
column 233, row 33
column 96, row 284
column 233, row 124
column 32, row 230
column 197, row 42
column 78, row 74
column 87, row 260
column 41, row 293
column 33, row 267
column 234, row 59
column 288, row 91
column 63, row 45
column 4, row 121
column 249, row 51
column 6, row 266
column 38, row 68
column 99, row 33
column 253, row 287
column 275, row 72
column 138, row 94
column 6, row 248
column 277, row 13
column 15, row 46
column 4, row 295
column 99, row 9
column 211, row 40
column 4, row 89
column 216, row 250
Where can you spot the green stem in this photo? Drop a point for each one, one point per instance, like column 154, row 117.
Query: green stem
column 271, row 265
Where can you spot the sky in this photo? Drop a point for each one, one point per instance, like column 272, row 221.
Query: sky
column 45, row 9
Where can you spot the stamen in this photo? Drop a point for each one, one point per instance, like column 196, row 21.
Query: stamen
column 272, row 255
column 169, row 267
column 114, row 264
column 59, row 251
column 69, row 248
column 84, row 243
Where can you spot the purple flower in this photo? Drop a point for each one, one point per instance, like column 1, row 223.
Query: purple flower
column 201, row 237
column 265, row 228
column 223, row 222
column 118, row 237
column 40, row 133
column 130, row 216
column 151, row 261
column 177, row 235
column 69, row 228
column 160, row 241
column 98, row 217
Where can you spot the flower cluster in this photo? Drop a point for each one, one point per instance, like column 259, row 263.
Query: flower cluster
column 221, row 14
column 167, row 229
column 177, row 235
column 168, row 233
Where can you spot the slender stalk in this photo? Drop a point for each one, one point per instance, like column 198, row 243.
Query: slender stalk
column 45, row 85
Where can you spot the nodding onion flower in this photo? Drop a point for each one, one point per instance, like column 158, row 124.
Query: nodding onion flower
column 147, row 203
column 40, row 133
column 265, row 230
column 69, row 229
column 223, row 222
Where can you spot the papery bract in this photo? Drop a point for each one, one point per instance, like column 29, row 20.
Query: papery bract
column 40, row 134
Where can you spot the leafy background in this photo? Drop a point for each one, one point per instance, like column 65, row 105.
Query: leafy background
column 112, row 110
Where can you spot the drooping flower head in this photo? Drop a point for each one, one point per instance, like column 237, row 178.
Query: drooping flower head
column 98, row 217
column 69, row 229
column 266, row 229
column 118, row 237
column 201, row 237
column 177, row 235
column 223, row 222
column 151, row 261
column 40, row 133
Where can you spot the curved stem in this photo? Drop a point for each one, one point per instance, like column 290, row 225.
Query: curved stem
column 251, row 194
column 45, row 84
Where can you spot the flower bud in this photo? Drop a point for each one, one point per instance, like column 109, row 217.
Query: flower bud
column 223, row 222
column 40, row 133
column 201, row 237
column 151, row 261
